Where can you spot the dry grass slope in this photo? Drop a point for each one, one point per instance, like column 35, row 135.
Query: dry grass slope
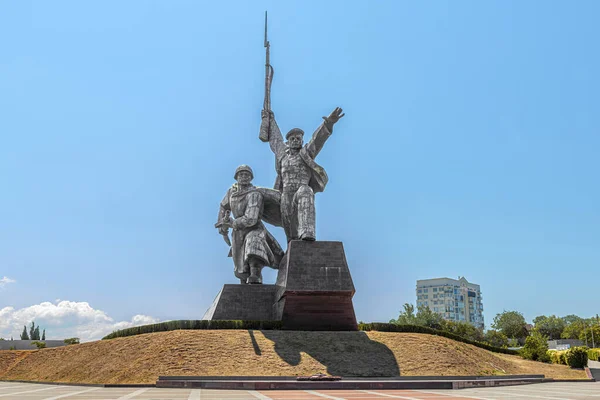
column 141, row 359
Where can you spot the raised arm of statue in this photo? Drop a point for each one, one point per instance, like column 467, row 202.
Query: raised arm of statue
column 323, row 132
column 275, row 137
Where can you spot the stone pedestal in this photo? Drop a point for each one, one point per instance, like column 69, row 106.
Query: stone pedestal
column 315, row 288
column 243, row 302
column 314, row 291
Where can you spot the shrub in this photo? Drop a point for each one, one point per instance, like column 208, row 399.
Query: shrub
column 496, row 338
column 577, row 357
column 39, row 345
column 557, row 357
column 536, row 348
column 383, row 327
column 194, row 324
column 73, row 340
column 594, row 354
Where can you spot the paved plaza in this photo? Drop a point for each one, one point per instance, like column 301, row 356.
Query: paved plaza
column 554, row 390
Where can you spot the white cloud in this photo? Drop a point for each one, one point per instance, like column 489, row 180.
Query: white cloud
column 5, row 281
column 65, row 319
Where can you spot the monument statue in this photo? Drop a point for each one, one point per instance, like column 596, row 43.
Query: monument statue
column 314, row 287
column 252, row 245
column 299, row 177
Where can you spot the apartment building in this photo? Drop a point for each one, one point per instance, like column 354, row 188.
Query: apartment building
column 453, row 299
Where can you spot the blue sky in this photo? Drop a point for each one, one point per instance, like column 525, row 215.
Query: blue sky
column 469, row 147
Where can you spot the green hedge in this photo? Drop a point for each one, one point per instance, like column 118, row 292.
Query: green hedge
column 594, row 354
column 575, row 357
column 384, row 327
column 558, row 356
column 194, row 324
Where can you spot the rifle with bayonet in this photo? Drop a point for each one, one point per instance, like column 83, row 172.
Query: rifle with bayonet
column 265, row 126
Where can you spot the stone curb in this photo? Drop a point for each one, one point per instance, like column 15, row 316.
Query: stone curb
column 104, row 385
column 285, row 383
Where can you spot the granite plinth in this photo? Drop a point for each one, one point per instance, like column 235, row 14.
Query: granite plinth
column 315, row 288
column 314, row 291
column 243, row 302
column 315, row 267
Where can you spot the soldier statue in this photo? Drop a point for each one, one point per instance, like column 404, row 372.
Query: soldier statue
column 252, row 245
column 299, row 177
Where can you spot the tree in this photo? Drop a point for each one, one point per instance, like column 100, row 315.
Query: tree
column 36, row 333
column 32, row 331
column 428, row 318
column 571, row 318
column 406, row 317
column 551, row 326
column 423, row 317
column 496, row 338
column 73, row 340
column 590, row 335
column 24, row 335
column 464, row 329
column 573, row 329
column 511, row 323
column 44, row 335
column 536, row 347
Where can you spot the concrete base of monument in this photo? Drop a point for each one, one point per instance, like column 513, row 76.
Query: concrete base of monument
column 350, row 383
column 314, row 291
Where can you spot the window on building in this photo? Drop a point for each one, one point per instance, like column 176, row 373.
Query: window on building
column 435, row 289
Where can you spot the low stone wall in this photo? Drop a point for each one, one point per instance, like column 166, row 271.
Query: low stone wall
column 26, row 344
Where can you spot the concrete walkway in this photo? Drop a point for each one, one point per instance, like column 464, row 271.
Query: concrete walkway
column 594, row 367
column 553, row 391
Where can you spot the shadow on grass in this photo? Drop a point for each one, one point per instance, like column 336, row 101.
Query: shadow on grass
column 255, row 345
column 342, row 353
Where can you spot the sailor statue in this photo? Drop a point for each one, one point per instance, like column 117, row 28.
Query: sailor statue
column 299, row 177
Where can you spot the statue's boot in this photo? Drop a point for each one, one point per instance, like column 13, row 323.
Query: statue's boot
column 255, row 275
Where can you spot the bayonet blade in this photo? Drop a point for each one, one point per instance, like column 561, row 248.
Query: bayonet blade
column 266, row 41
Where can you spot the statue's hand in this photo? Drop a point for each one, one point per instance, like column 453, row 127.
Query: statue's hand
column 334, row 116
column 266, row 114
column 225, row 225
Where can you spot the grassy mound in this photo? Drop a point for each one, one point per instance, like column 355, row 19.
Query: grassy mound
column 142, row 358
column 276, row 325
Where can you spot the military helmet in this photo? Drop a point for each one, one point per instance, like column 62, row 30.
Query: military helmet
column 293, row 131
column 243, row 167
